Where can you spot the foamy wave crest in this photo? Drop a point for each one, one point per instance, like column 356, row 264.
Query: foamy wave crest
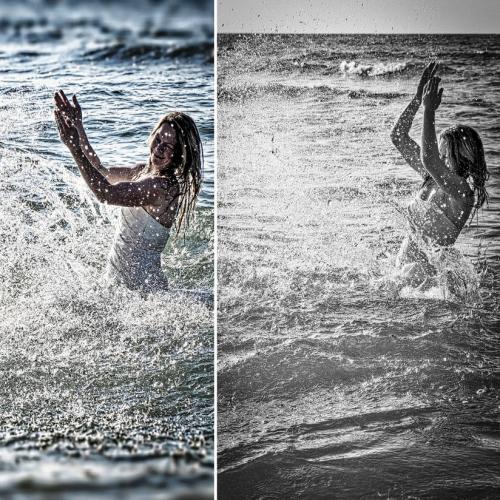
column 380, row 69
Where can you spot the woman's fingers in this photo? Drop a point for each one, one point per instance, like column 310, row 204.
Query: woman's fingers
column 61, row 105
column 435, row 66
column 76, row 103
column 70, row 110
column 434, row 83
column 62, row 102
column 59, row 101
column 59, row 98
column 64, row 98
column 431, row 85
column 438, row 81
column 429, row 70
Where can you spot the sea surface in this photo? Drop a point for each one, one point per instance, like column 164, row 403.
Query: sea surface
column 104, row 393
column 335, row 380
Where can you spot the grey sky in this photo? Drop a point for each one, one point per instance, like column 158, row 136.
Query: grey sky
column 359, row 16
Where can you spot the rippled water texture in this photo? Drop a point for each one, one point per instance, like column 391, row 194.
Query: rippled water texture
column 104, row 393
column 332, row 382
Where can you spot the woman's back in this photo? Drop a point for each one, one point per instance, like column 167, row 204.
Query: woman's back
column 438, row 217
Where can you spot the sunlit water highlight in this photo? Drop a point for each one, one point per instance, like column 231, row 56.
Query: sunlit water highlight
column 334, row 381
column 104, row 393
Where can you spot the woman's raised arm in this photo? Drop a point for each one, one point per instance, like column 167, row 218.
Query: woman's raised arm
column 149, row 191
column 400, row 137
column 73, row 112
column 451, row 183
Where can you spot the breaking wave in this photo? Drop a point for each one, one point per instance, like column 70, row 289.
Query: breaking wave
column 369, row 70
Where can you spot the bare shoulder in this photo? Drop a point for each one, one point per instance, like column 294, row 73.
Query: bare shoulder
column 169, row 185
column 119, row 173
column 137, row 169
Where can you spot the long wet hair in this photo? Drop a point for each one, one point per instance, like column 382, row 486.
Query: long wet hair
column 187, row 162
column 462, row 149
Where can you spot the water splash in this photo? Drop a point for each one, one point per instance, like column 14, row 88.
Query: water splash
column 92, row 377
column 327, row 379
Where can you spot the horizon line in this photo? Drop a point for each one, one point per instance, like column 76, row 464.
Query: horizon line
column 344, row 33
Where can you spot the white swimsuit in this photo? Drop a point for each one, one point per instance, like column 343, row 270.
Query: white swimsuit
column 135, row 258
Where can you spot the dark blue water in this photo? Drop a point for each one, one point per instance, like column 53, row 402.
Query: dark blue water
column 333, row 382
column 103, row 393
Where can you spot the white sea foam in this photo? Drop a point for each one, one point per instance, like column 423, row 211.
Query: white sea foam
column 378, row 69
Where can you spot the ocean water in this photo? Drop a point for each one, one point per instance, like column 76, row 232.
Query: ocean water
column 334, row 380
column 103, row 393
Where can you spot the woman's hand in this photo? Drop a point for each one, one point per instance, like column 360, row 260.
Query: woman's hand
column 73, row 112
column 67, row 132
column 432, row 96
column 429, row 72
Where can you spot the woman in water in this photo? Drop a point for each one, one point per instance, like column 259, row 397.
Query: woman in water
column 454, row 173
column 154, row 195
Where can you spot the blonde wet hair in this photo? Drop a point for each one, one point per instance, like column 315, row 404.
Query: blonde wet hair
column 188, row 162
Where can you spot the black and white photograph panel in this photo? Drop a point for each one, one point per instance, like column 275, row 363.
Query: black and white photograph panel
column 106, row 236
column 358, row 249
